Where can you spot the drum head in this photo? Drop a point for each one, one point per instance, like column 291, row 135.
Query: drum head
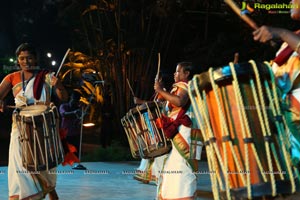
column 223, row 75
column 33, row 110
column 144, row 107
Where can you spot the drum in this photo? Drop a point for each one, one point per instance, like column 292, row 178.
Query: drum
column 146, row 140
column 239, row 114
column 131, row 134
column 40, row 141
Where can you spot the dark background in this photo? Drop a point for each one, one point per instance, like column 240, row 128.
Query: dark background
column 206, row 32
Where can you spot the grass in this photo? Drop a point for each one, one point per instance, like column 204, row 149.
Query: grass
column 114, row 152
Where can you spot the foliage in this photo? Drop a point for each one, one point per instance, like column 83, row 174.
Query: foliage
column 125, row 37
column 114, row 152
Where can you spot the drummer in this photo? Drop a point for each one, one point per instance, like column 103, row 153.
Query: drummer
column 286, row 67
column 177, row 180
column 29, row 85
column 148, row 171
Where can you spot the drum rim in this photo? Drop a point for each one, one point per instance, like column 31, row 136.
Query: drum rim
column 143, row 107
column 25, row 112
column 223, row 74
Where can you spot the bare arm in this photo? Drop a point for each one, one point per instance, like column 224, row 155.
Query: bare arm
column 266, row 33
column 138, row 101
column 72, row 114
column 59, row 89
column 5, row 87
column 179, row 100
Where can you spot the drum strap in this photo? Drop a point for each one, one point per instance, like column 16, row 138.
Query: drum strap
column 170, row 126
column 24, row 83
column 283, row 56
column 39, row 83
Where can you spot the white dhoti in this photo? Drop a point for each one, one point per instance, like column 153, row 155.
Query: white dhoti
column 23, row 184
column 177, row 179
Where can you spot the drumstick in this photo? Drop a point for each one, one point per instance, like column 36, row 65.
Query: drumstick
column 158, row 67
column 238, row 11
column 157, row 74
column 130, row 87
column 11, row 106
column 62, row 62
column 244, row 17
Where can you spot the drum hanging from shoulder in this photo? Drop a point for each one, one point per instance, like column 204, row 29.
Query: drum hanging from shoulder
column 39, row 136
column 146, row 140
column 131, row 134
column 239, row 114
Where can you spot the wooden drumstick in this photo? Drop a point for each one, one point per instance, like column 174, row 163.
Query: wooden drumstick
column 238, row 11
column 157, row 75
column 62, row 62
column 130, row 87
column 158, row 67
column 245, row 17
column 13, row 107
column 236, row 58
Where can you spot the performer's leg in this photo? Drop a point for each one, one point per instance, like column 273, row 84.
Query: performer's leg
column 53, row 195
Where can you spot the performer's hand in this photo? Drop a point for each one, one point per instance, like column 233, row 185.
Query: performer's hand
column 265, row 34
column 53, row 81
column 158, row 86
column 158, row 78
column 137, row 101
column 59, row 88
column 56, row 82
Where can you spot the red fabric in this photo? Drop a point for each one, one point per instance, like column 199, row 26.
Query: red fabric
column 38, row 84
column 69, row 157
column 170, row 126
column 72, row 148
column 63, row 133
column 283, row 56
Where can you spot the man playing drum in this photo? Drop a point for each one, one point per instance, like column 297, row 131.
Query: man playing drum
column 29, row 86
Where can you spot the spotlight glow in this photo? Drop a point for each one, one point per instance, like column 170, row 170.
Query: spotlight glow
column 88, row 124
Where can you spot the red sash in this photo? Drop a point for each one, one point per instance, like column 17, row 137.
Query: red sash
column 39, row 83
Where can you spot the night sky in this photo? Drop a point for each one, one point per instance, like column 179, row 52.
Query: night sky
column 34, row 21
column 202, row 32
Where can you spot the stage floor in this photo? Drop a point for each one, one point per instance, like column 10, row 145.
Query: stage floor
column 107, row 181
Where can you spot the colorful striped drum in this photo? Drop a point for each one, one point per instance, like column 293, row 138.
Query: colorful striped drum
column 145, row 139
column 239, row 114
